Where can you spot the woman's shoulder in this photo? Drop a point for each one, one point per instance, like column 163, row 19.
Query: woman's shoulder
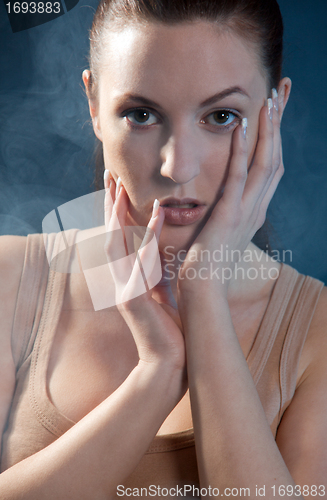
column 317, row 334
column 314, row 354
column 12, row 254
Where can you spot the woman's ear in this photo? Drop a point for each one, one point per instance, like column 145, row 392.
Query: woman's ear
column 93, row 104
column 284, row 90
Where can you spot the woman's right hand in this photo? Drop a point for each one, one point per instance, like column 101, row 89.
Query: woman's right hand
column 154, row 324
column 102, row 449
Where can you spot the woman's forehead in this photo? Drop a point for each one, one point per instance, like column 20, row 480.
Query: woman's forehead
column 185, row 57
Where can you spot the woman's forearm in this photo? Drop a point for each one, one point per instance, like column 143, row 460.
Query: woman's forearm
column 234, row 444
column 102, row 449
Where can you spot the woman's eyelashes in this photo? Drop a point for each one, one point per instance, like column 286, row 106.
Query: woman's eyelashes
column 141, row 118
column 221, row 120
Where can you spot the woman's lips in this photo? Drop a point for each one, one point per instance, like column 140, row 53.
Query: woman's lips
column 182, row 212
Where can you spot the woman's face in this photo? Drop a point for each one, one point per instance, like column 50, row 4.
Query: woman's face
column 169, row 99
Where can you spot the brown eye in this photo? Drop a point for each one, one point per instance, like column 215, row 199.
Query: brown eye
column 221, row 117
column 141, row 116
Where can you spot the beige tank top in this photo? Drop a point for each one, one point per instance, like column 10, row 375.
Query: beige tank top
column 34, row 422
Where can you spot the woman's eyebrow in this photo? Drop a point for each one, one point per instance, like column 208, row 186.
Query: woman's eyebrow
column 139, row 99
column 211, row 100
column 222, row 94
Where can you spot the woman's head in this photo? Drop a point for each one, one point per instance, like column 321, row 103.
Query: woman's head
column 258, row 21
column 168, row 86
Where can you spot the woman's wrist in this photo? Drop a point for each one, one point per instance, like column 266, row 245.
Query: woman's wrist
column 201, row 291
column 170, row 379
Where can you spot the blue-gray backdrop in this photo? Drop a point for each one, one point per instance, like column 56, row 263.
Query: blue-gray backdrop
column 46, row 141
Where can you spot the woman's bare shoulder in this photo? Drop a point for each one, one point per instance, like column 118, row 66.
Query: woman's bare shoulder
column 12, row 253
column 315, row 347
column 318, row 327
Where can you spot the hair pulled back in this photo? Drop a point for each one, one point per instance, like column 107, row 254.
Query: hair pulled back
column 258, row 21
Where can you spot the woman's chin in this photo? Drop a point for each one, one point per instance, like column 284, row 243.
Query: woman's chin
column 175, row 239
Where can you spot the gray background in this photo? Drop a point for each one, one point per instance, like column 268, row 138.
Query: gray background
column 46, row 140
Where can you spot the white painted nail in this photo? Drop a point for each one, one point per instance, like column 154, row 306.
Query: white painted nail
column 270, row 106
column 105, row 176
column 118, row 186
column 244, row 126
column 274, row 94
column 155, row 209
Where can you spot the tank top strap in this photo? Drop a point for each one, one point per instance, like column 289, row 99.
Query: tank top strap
column 29, row 297
column 60, row 254
column 306, row 303
column 284, row 327
column 40, row 249
column 271, row 332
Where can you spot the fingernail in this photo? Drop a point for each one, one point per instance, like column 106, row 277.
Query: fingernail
column 274, row 94
column 105, row 176
column 270, row 107
column 280, row 99
column 244, row 126
column 155, row 209
column 118, row 186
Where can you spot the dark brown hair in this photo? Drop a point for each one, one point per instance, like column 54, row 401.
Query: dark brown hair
column 257, row 21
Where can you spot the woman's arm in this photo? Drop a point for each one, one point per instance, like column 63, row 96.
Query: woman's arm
column 101, row 450
column 234, row 444
column 302, row 433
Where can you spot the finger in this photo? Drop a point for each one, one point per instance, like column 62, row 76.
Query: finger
column 273, row 185
column 277, row 159
column 277, row 162
column 115, row 241
column 261, row 171
column 146, row 270
column 120, row 261
column 162, row 292
column 237, row 174
column 109, row 198
column 148, row 254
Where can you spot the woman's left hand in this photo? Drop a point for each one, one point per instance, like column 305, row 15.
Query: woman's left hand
column 241, row 210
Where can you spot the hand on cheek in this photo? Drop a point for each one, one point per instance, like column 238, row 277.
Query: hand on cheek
column 241, row 210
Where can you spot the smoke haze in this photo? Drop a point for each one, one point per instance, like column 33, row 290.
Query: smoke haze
column 46, row 140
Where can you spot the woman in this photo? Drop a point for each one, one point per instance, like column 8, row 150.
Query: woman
column 187, row 101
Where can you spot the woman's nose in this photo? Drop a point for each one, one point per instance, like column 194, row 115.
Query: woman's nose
column 180, row 159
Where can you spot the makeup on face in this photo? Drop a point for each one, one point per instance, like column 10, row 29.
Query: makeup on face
column 170, row 100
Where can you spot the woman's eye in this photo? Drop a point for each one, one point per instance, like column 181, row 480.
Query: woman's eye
column 222, row 117
column 141, row 117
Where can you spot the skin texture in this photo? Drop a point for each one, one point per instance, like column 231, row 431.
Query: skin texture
column 180, row 157
column 144, row 341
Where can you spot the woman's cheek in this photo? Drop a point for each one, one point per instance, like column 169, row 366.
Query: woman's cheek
column 218, row 163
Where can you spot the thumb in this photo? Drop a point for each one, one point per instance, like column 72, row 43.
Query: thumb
column 162, row 292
